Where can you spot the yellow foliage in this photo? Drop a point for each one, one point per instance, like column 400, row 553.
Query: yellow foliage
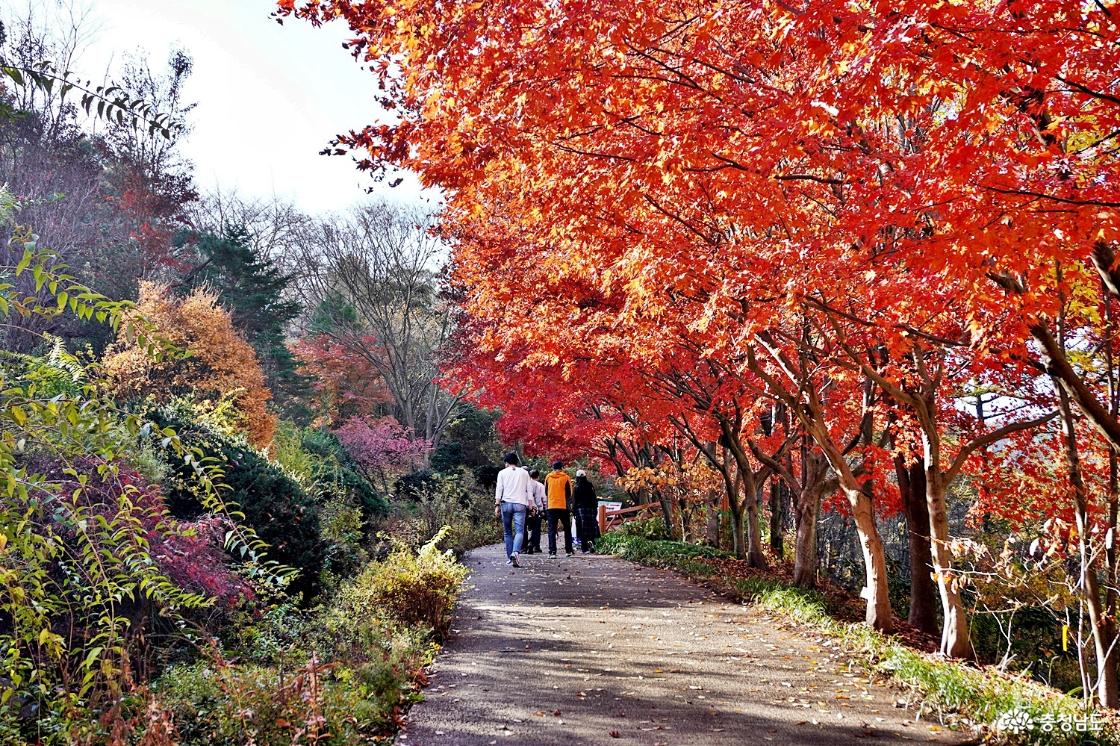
column 219, row 363
column 693, row 481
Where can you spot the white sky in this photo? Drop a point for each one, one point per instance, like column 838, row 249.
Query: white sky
column 270, row 97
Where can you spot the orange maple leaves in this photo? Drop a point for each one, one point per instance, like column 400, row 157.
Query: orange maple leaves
column 218, row 362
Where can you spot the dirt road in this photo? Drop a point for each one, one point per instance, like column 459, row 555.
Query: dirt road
column 597, row 650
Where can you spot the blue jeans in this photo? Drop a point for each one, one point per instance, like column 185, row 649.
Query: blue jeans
column 513, row 522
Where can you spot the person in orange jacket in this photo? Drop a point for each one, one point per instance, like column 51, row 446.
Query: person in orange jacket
column 558, row 493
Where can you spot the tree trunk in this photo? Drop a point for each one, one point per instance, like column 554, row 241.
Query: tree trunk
column 1060, row 369
column 1111, row 598
column 667, row 513
column 912, row 489
column 738, row 540
column 1106, row 683
column 871, row 543
column 755, row 556
column 805, row 558
column 956, row 641
column 748, row 486
column 712, row 529
column 1110, row 595
column 874, row 560
column 777, row 517
column 1107, row 692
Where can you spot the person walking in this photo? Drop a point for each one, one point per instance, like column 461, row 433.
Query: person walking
column 532, row 541
column 558, row 493
column 512, row 497
column 586, row 504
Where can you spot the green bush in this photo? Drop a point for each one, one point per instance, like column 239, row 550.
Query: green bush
column 804, row 605
column 323, row 443
column 288, row 451
column 415, row 484
column 339, row 673
column 645, row 528
column 416, row 588
column 348, row 504
column 612, row 542
column 337, row 472
column 439, row 500
column 246, row 703
column 659, row 552
column 343, row 533
column 92, row 571
column 273, row 503
column 470, row 441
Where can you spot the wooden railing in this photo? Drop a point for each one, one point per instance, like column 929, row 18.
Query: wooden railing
column 609, row 519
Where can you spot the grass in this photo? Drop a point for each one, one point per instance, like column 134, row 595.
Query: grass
column 998, row 703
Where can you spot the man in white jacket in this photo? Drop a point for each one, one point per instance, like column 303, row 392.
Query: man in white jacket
column 512, row 498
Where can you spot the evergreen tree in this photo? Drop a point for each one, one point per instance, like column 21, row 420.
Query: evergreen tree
column 256, row 293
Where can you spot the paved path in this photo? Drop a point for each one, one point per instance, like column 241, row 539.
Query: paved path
column 596, row 650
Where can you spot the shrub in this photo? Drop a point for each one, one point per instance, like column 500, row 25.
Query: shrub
column 439, row 500
column 339, row 673
column 470, row 441
column 338, row 471
column 382, row 448
column 415, row 484
column 323, row 443
column 56, row 373
column 91, row 564
column 96, row 565
column 356, row 488
column 89, row 559
column 663, row 553
column 343, row 531
column 219, row 363
column 646, row 528
column 805, row 605
column 317, row 703
column 288, row 451
column 416, row 588
column 273, row 503
column 486, row 475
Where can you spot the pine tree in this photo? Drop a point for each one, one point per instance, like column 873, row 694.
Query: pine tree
column 256, row 293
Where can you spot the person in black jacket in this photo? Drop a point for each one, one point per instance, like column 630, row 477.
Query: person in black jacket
column 586, row 505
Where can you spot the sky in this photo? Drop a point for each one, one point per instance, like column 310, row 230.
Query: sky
column 269, row 96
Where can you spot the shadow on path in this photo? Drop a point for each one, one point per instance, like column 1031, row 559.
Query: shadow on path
column 596, row 650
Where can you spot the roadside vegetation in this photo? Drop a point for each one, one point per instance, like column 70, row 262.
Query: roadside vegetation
column 226, row 517
column 996, row 703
